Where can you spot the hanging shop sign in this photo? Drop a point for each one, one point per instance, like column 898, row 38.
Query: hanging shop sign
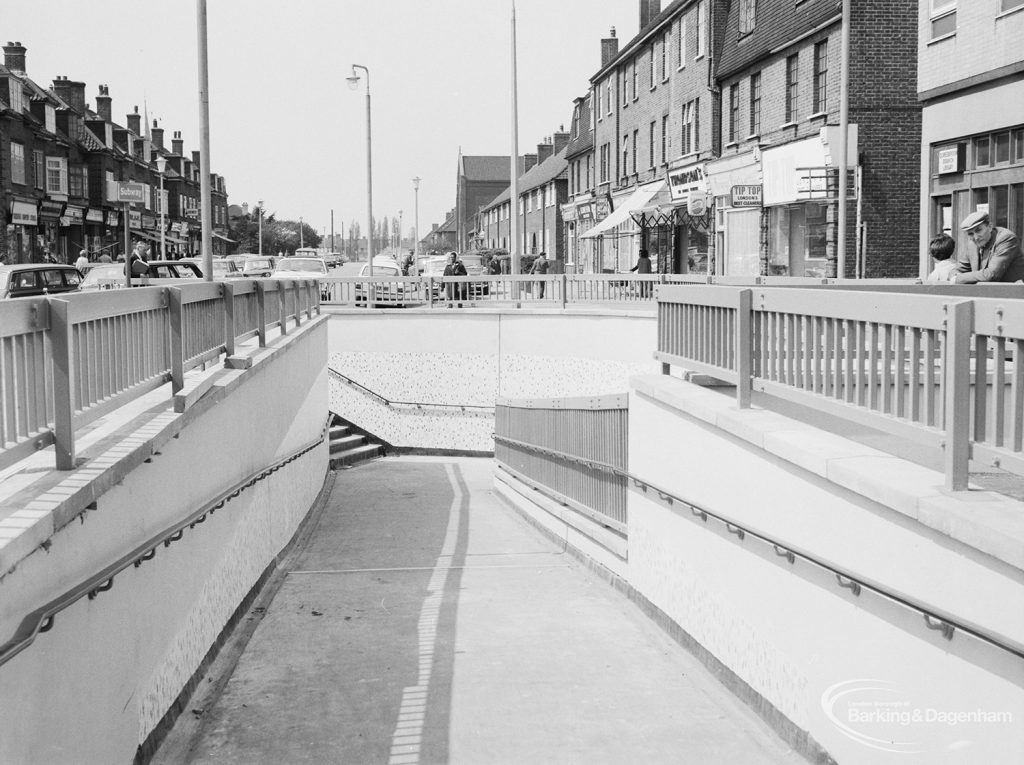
column 73, row 216
column 50, row 209
column 94, row 215
column 134, row 219
column 745, row 195
column 24, row 214
column 113, row 218
column 697, row 203
column 148, row 221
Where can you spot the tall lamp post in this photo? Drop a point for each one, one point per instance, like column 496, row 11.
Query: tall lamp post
column 416, row 231
column 399, row 237
column 301, row 243
column 161, row 167
column 260, row 243
column 353, row 83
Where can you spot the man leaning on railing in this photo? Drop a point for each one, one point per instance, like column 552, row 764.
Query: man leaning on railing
column 996, row 255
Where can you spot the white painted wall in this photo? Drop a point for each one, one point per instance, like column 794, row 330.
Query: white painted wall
column 93, row 688
column 473, row 357
column 792, row 635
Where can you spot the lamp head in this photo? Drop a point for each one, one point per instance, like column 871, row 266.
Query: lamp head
column 260, row 205
column 353, row 81
column 416, row 183
column 161, row 164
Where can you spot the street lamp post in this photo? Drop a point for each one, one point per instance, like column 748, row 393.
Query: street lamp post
column 416, row 231
column 161, row 167
column 301, row 243
column 260, row 243
column 398, row 244
column 353, row 83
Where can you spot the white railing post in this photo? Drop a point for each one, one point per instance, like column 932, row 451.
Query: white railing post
column 744, row 347
column 62, row 345
column 228, row 296
column 282, row 305
column 177, row 329
column 564, row 285
column 957, row 404
column 261, row 313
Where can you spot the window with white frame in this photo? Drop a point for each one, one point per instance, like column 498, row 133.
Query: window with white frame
column 792, row 87
column 664, row 139
column 597, row 104
column 686, row 146
column 625, row 154
column 50, row 119
column 57, row 175
column 943, row 18
column 681, row 44
column 702, row 27
column 820, row 77
column 650, row 72
column 755, row 104
column 78, row 181
column 654, row 127
column 734, row 111
column 636, row 80
column 625, row 85
column 748, row 13
column 608, row 93
column 17, row 163
column 636, row 143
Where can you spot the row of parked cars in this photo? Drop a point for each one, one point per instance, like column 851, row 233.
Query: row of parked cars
column 33, row 279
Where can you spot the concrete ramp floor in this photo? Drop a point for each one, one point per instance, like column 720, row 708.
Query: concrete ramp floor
column 423, row 621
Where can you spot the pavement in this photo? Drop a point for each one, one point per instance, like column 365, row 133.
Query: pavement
column 421, row 620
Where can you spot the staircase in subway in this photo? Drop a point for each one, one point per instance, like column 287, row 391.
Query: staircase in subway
column 350, row 445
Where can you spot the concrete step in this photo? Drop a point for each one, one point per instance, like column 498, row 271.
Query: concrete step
column 346, row 442
column 339, row 431
column 356, row 454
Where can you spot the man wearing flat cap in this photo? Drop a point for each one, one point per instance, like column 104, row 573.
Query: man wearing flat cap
column 996, row 255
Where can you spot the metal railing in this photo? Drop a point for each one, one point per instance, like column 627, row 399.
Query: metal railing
column 65, row 361
column 407, row 404
column 939, row 369
column 577, row 448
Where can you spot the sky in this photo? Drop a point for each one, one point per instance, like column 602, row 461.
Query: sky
column 284, row 125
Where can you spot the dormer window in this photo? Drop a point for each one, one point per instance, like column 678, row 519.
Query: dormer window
column 17, row 95
column 748, row 13
column 51, row 118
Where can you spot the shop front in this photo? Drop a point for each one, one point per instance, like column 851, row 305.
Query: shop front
column 578, row 217
column 800, row 198
column 735, row 183
column 95, row 230
column 683, row 238
column 72, row 229
column 616, row 236
column 20, row 232
column 49, row 243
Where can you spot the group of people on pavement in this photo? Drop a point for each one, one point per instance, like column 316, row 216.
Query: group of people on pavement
column 995, row 254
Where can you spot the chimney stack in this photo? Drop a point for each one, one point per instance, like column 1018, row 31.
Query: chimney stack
column 609, row 49
column 14, row 57
column 158, row 136
column 560, row 139
column 195, row 160
column 135, row 122
column 177, row 145
column 544, row 150
column 71, row 92
column 529, row 160
column 103, row 104
column 649, row 10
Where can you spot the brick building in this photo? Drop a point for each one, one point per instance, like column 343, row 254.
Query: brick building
column 779, row 76
column 971, row 87
column 478, row 181
column 61, row 165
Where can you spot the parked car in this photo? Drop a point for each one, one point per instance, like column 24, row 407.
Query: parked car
column 33, row 279
column 299, row 268
column 104, row 276
column 223, row 268
column 255, row 266
column 172, row 269
column 334, row 259
column 384, row 268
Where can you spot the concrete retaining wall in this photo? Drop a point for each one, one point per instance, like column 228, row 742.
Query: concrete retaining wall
column 95, row 686
column 471, row 358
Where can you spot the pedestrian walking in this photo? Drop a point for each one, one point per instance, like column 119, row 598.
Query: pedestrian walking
column 643, row 266
column 996, row 255
column 137, row 266
column 540, row 267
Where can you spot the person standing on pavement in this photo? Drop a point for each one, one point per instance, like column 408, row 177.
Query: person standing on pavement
column 83, row 261
column 137, row 265
column 995, row 257
column 540, row 267
column 643, row 266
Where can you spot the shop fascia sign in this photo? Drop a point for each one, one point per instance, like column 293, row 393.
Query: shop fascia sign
column 683, row 180
column 746, row 195
column 602, row 208
column 24, row 214
column 135, row 219
column 128, row 192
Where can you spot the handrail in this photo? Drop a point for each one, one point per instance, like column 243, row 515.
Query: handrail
column 417, row 405
column 932, row 618
column 42, row 619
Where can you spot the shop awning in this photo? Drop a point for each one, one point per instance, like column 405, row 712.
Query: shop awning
column 657, row 212
column 635, row 201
